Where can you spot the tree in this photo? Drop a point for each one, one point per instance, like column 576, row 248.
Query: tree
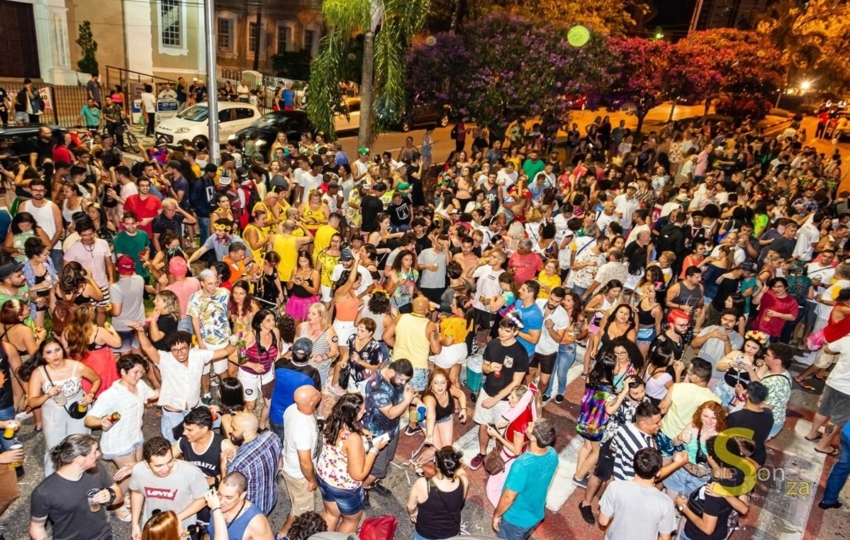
column 388, row 27
column 641, row 76
column 292, row 64
column 88, row 49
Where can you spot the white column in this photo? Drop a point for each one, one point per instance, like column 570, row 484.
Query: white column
column 140, row 32
column 51, row 28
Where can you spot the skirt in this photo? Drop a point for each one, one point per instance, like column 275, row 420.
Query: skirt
column 296, row 307
column 450, row 356
column 344, row 330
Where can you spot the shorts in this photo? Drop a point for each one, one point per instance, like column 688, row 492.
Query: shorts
column 419, row 381
column 385, row 456
column 301, row 499
column 605, row 464
column 327, row 295
column 824, row 360
column 835, row 405
column 450, row 356
column 683, row 482
column 254, row 385
column 545, row 361
column 22, row 116
column 105, row 302
column 491, row 416
column 349, row 501
column 129, row 340
column 483, row 319
column 219, row 366
column 132, row 450
column 344, row 330
column 646, row 334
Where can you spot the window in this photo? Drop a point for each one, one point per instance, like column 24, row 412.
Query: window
column 242, row 114
column 171, row 27
column 224, row 115
column 284, row 39
column 254, row 37
column 224, row 39
column 309, row 40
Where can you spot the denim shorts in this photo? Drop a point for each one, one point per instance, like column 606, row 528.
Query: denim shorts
column 646, row 334
column 349, row 501
column 131, row 451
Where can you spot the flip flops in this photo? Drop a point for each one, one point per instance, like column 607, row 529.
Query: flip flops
column 832, row 452
column 804, row 385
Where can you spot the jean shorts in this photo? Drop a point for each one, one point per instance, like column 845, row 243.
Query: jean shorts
column 349, row 501
column 646, row 334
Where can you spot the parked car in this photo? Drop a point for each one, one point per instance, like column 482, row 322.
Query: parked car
column 193, row 123
column 577, row 102
column 293, row 123
column 417, row 114
column 17, row 141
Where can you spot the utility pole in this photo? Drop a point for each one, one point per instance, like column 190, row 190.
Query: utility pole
column 212, row 83
column 695, row 17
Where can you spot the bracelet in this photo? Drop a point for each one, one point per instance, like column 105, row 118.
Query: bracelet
column 216, row 508
column 374, row 450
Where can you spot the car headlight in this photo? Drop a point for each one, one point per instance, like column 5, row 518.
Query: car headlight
column 232, row 137
column 182, row 130
column 260, row 142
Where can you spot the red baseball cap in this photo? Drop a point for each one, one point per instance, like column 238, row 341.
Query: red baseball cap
column 126, row 265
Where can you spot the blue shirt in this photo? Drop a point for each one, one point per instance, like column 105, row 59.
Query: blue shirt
column 529, row 478
column 288, row 97
column 381, row 393
column 289, row 377
column 341, row 158
column 532, row 319
column 258, row 460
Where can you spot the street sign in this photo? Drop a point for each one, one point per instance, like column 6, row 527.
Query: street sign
column 166, row 108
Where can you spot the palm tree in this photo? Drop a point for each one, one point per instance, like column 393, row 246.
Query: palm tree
column 388, row 26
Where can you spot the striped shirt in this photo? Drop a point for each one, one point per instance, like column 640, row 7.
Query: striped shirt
column 259, row 461
column 628, row 441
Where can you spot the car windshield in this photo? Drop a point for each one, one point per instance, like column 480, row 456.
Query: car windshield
column 268, row 120
column 195, row 113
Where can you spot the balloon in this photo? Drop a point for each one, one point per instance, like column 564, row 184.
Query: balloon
column 578, row 36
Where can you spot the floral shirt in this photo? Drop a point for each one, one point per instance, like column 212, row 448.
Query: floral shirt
column 333, row 465
column 371, row 354
column 211, row 310
column 584, row 277
column 403, row 295
column 779, row 392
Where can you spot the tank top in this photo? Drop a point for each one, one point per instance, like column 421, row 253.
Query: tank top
column 597, row 317
column 346, row 309
column 312, row 218
column 320, row 346
column 687, row 297
column 645, row 317
column 43, row 216
column 439, row 515
column 836, row 330
column 333, row 465
column 285, row 247
column 261, row 235
column 209, row 461
column 68, row 213
column 266, row 358
column 21, row 353
column 441, row 411
column 237, row 527
column 411, row 340
column 70, row 386
column 6, row 396
column 300, row 291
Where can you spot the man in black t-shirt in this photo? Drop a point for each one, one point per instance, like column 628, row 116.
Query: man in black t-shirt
column 400, row 213
column 677, row 326
column 62, row 496
column 505, row 364
column 755, row 418
column 371, row 206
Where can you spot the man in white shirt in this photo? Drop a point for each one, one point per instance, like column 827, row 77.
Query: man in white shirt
column 808, row 236
column 555, row 322
column 507, row 176
column 625, row 205
column 487, row 287
column 731, row 241
column 181, row 371
column 607, row 216
column 300, row 453
column 310, row 180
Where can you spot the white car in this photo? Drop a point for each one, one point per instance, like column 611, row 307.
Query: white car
column 193, row 123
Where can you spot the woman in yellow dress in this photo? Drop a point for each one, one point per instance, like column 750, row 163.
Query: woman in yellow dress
column 314, row 214
column 255, row 234
column 549, row 278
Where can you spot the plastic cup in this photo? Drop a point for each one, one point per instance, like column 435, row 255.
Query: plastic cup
column 93, row 506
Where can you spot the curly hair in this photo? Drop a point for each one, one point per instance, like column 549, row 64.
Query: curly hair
column 379, row 303
column 719, row 414
column 306, row 525
column 79, row 331
column 286, row 327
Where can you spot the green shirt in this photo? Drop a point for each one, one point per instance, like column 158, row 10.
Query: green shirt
column 529, row 478
column 531, row 168
column 124, row 244
column 91, row 115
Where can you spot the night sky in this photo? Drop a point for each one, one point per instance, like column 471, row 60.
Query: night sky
column 673, row 16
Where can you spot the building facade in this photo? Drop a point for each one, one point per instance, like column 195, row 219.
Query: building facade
column 161, row 38
column 739, row 14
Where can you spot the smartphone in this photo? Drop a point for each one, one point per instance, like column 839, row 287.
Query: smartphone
column 384, row 437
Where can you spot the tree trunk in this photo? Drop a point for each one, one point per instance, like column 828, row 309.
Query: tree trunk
column 672, row 110
column 707, row 106
column 259, row 40
column 364, row 137
column 641, row 115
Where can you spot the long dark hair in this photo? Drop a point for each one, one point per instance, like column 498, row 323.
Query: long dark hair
column 343, row 416
column 603, row 370
column 577, row 307
column 37, row 360
column 232, row 395
column 256, row 322
column 401, row 255
column 635, row 356
column 233, row 307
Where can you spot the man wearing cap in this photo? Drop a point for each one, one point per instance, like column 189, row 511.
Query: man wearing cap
column 144, row 206
column 346, row 262
column 127, row 296
column 94, row 255
column 13, row 286
column 361, row 166
column 309, row 180
column 625, row 205
column 291, row 372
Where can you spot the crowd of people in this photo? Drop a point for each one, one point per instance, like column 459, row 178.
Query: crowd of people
column 286, row 318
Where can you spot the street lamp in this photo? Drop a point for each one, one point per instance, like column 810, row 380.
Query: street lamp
column 805, row 85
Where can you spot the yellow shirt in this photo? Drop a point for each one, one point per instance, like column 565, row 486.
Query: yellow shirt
column 261, row 235
column 312, row 219
column 455, row 327
column 322, row 240
column 286, row 247
column 550, row 281
column 411, row 340
column 325, row 264
column 261, row 206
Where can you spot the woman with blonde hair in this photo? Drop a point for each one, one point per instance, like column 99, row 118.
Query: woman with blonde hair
column 516, row 232
column 92, row 345
column 318, row 329
column 314, row 213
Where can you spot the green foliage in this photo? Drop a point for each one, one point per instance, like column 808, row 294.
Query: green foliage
column 88, row 49
column 292, row 64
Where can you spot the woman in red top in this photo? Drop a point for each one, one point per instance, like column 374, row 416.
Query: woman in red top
column 837, row 327
column 776, row 307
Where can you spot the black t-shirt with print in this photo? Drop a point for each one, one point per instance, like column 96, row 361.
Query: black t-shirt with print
column 513, row 358
column 399, row 213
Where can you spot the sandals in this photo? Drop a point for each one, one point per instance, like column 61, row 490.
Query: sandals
column 815, row 439
column 804, row 384
column 834, row 452
column 820, row 377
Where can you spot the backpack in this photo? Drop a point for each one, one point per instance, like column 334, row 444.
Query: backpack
column 593, row 417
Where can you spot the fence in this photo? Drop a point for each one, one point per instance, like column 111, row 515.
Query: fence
column 62, row 102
